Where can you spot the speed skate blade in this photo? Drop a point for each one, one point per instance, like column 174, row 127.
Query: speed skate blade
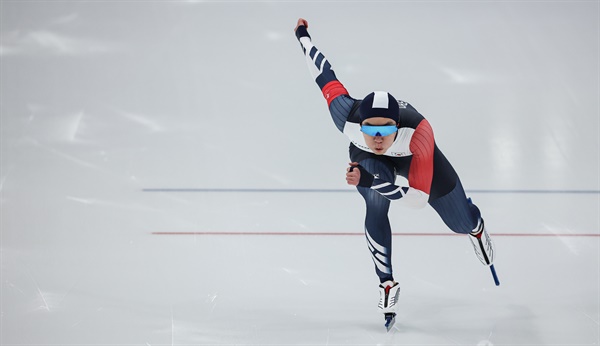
column 390, row 320
column 494, row 275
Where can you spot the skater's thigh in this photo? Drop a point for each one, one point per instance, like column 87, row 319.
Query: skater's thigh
column 444, row 176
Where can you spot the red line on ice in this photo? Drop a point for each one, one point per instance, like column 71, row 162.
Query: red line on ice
column 362, row 234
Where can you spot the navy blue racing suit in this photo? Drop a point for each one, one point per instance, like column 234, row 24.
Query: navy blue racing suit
column 414, row 155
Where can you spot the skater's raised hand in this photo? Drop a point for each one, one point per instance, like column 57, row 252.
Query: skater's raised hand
column 301, row 21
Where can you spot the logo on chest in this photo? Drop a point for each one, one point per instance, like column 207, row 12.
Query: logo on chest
column 399, row 154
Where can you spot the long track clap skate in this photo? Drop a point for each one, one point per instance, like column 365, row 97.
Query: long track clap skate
column 388, row 297
column 390, row 320
column 484, row 248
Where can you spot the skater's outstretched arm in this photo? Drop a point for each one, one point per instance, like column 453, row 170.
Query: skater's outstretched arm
column 338, row 100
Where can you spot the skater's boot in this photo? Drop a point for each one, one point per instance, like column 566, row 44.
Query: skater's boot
column 388, row 296
column 484, row 248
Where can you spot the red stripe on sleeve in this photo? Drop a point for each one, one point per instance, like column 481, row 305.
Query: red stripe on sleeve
column 422, row 144
column 332, row 90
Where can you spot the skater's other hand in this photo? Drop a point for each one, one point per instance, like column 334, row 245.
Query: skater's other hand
column 301, row 21
column 353, row 175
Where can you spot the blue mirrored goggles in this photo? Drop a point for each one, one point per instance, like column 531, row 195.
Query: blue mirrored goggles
column 383, row 131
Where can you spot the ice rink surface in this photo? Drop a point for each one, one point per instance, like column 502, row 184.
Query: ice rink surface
column 170, row 174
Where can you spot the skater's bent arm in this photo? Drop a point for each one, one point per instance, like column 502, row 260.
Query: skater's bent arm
column 338, row 100
column 409, row 196
column 420, row 175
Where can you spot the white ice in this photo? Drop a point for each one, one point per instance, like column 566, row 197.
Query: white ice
column 103, row 101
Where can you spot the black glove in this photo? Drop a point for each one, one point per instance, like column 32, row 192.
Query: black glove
column 366, row 178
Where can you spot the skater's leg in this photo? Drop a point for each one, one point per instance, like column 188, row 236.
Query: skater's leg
column 377, row 225
column 457, row 211
column 378, row 231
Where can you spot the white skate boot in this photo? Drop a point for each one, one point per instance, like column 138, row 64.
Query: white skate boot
column 484, row 248
column 388, row 297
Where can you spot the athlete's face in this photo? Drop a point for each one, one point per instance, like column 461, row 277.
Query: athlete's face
column 379, row 144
